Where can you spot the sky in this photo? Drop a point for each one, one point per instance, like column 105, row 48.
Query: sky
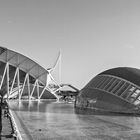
column 93, row 35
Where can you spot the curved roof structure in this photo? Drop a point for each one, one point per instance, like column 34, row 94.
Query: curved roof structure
column 23, row 74
column 116, row 90
column 130, row 74
column 24, row 63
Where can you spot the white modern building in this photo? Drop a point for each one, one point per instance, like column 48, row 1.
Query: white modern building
column 21, row 77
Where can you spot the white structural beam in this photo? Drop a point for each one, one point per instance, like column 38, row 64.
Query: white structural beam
column 8, row 81
column 18, row 82
column 47, row 79
column 23, row 85
column 60, row 68
column 14, row 80
column 53, row 92
column 3, row 76
column 42, row 92
column 42, row 77
column 46, row 87
column 52, row 79
column 28, row 86
column 57, row 60
column 37, row 89
column 35, row 84
column 26, row 79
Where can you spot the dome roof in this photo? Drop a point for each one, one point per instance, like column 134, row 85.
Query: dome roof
column 127, row 73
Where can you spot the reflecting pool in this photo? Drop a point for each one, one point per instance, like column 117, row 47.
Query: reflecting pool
column 51, row 120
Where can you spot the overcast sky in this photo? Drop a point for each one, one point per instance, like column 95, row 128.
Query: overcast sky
column 93, row 35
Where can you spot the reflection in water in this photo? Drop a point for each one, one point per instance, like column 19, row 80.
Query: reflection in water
column 52, row 120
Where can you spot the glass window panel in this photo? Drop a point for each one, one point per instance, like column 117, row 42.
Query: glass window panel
column 119, row 85
column 131, row 99
column 95, row 80
column 139, row 98
column 113, row 85
column 130, row 91
column 100, row 80
column 132, row 88
column 122, row 89
column 134, row 95
column 137, row 91
column 116, row 85
column 109, row 84
column 126, row 92
column 104, row 83
column 137, row 102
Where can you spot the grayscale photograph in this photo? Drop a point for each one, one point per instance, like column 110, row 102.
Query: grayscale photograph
column 69, row 69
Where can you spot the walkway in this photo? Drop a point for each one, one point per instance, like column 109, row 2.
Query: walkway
column 6, row 128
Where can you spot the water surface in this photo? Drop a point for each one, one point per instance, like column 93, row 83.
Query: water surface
column 51, row 120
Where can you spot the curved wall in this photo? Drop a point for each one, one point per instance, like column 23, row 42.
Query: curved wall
column 110, row 92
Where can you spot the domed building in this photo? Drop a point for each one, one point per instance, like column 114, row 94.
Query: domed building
column 114, row 90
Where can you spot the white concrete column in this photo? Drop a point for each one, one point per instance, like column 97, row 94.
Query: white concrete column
column 8, row 81
column 28, row 86
column 35, row 84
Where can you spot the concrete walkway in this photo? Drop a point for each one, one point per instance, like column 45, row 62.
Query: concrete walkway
column 6, row 128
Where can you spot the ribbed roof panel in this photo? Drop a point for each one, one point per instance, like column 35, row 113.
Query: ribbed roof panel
column 24, row 63
column 127, row 73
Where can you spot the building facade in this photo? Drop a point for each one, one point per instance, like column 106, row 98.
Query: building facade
column 114, row 90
